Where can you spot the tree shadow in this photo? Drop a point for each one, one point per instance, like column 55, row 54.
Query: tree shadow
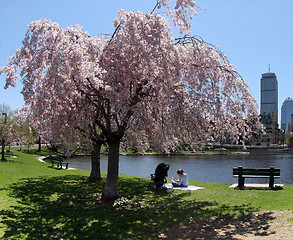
column 222, row 227
column 70, row 207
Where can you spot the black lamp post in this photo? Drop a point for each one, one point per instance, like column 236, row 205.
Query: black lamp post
column 2, row 140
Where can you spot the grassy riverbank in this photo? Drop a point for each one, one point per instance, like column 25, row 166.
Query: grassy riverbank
column 39, row 202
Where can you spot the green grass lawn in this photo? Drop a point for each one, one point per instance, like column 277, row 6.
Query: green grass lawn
column 40, row 202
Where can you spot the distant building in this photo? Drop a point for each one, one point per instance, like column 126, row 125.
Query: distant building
column 269, row 95
column 290, row 142
column 286, row 115
column 291, row 130
column 269, row 109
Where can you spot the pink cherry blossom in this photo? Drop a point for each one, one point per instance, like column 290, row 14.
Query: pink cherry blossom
column 140, row 83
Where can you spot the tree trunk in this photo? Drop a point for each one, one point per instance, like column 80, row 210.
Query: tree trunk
column 110, row 192
column 96, row 163
column 40, row 145
column 3, row 150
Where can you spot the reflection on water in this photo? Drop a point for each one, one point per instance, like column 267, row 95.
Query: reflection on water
column 205, row 168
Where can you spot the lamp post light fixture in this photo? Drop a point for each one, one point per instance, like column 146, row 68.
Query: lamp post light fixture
column 2, row 140
column 5, row 114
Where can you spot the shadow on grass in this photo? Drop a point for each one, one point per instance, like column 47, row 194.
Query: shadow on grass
column 69, row 207
column 222, row 227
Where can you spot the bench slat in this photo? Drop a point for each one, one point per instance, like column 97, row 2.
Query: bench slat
column 263, row 172
column 255, row 176
column 257, row 169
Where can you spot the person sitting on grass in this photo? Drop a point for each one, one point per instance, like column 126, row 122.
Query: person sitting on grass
column 182, row 180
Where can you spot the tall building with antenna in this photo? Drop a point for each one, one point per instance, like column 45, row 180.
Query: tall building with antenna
column 269, row 109
column 269, row 95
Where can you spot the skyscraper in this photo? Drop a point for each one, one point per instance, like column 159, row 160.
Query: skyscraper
column 286, row 114
column 269, row 95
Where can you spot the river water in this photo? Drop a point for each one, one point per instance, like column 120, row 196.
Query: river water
column 205, row 168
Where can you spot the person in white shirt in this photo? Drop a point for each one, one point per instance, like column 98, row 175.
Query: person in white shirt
column 182, row 180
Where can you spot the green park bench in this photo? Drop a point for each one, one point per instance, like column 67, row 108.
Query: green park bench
column 243, row 173
column 59, row 161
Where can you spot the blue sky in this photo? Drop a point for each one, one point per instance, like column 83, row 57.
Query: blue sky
column 253, row 34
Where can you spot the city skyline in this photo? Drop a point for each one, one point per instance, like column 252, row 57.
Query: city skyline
column 253, row 35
